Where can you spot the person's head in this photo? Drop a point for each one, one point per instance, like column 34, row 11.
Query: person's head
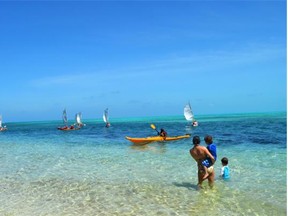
column 196, row 140
column 208, row 139
column 161, row 130
column 224, row 161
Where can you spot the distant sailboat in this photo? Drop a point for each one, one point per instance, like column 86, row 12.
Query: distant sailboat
column 65, row 121
column 189, row 116
column 106, row 117
column 78, row 119
column 2, row 128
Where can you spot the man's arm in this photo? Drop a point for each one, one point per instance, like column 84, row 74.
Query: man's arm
column 192, row 154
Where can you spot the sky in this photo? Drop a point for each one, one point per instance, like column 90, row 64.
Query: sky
column 141, row 58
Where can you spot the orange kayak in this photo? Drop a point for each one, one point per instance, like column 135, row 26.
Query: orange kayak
column 146, row 140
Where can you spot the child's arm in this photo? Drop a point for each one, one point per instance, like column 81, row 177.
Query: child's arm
column 222, row 172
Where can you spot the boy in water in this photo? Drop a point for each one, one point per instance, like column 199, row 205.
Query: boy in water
column 225, row 171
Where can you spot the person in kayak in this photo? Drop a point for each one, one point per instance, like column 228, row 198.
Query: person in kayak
column 162, row 133
column 195, row 123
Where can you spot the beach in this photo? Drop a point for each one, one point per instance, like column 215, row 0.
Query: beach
column 96, row 171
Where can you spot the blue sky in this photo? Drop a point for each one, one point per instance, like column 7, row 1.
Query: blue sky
column 141, row 58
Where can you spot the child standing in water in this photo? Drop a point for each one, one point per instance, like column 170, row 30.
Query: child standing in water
column 225, row 171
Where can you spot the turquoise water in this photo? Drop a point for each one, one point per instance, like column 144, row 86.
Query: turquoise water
column 96, row 171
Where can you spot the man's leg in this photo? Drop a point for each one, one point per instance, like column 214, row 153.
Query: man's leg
column 211, row 178
column 200, row 178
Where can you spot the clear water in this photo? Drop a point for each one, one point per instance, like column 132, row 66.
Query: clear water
column 96, row 171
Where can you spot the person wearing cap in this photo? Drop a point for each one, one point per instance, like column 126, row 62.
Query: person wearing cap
column 162, row 133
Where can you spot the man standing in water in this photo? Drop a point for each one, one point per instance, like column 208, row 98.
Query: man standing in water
column 200, row 153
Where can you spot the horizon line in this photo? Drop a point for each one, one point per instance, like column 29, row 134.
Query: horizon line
column 157, row 117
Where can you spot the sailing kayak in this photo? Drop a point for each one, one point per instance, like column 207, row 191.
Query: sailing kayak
column 146, row 140
column 65, row 128
column 3, row 128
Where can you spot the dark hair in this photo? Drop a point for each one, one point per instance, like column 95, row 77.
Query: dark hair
column 196, row 140
column 208, row 139
column 224, row 160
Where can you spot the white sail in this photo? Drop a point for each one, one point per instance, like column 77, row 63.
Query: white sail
column 78, row 118
column 105, row 115
column 2, row 128
column 188, row 112
column 64, row 117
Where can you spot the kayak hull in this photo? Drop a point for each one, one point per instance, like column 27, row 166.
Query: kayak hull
column 3, row 129
column 147, row 140
column 67, row 128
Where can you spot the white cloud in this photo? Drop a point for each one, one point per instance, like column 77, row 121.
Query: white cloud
column 174, row 65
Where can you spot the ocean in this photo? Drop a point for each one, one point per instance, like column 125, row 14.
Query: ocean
column 96, row 171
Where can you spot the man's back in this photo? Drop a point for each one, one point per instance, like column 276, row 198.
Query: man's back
column 198, row 152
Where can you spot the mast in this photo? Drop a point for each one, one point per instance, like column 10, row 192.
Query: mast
column 64, row 117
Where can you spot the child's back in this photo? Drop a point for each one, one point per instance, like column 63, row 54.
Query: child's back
column 225, row 171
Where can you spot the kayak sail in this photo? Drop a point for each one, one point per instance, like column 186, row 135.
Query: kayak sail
column 189, row 116
column 105, row 116
column 2, row 128
column 78, row 118
column 64, row 117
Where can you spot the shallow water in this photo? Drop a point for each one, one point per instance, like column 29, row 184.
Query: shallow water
column 95, row 171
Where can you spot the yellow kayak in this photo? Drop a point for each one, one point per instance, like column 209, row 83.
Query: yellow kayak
column 146, row 140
